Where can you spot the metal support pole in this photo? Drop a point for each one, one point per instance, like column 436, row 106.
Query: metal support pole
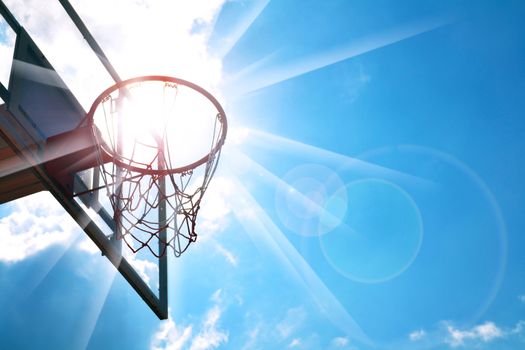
column 163, row 260
column 116, row 238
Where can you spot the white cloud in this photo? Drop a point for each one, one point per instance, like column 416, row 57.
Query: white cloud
column 470, row 337
column 7, row 42
column 229, row 256
column 292, row 321
column 215, row 214
column 237, row 136
column 340, row 341
column 147, row 270
column 253, row 337
column 88, row 246
column 417, row 335
column 170, row 337
column 521, row 298
column 206, row 336
column 518, row 328
column 216, row 297
column 216, row 208
column 294, row 343
column 210, row 337
column 485, row 332
column 488, row 331
column 34, row 224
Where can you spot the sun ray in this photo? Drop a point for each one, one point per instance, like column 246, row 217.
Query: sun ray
column 339, row 161
column 237, row 32
column 45, row 267
column 94, row 307
column 53, row 150
column 12, row 165
column 267, row 236
column 252, row 68
column 276, row 181
column 307, row 64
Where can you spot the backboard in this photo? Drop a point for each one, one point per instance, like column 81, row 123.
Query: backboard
column 39, row 108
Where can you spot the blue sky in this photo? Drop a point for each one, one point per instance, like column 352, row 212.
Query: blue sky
column 369, row 195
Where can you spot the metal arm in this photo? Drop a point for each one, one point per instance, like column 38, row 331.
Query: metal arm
column 9, row 18
column 90, row 39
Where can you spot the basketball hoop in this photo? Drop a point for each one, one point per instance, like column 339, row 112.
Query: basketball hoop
column 149, row 127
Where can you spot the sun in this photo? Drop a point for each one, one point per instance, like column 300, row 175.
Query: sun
column 140, row 121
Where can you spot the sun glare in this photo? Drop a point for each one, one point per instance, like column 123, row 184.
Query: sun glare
column 148, row 117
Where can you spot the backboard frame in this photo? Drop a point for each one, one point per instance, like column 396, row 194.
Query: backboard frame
column 28, row 144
